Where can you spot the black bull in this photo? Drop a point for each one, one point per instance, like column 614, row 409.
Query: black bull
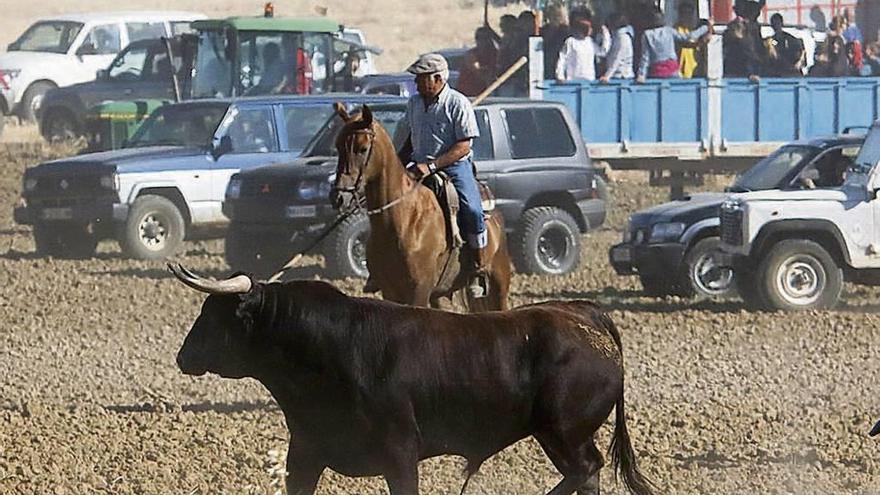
column 370, row 388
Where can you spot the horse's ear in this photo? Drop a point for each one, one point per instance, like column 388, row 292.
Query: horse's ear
column 367, row 115
column 342, row 112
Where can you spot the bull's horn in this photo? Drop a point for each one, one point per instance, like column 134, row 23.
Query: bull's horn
column 239, row 284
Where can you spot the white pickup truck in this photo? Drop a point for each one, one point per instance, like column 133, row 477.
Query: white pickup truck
column 69, row 49
column 792, row 250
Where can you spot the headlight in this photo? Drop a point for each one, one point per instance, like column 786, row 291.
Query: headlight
column 309, row 190
column 233, row 189
column 30, row 184
column 663, row 232
column 110, row 181
column 730, row 204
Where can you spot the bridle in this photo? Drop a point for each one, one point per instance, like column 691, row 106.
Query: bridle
column 355, row 189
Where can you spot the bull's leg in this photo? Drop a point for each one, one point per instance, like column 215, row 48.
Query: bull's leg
column 403, row 480
column 303, row 471
column 579, row 463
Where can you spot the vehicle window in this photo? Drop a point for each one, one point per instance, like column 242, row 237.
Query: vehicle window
column 129, row 65
column 179, row 125
column 303, row 122
column 144, row 30
column 181, row 27
column 102, row 40
column 48, row 36
column 213, row 68
column 538, row 133
column 869, row 155
column 251, row 130
column 384, row 89
column 770, row 172
column 324, row 142
column 268, row 63
column 482, row 146
column 830, row 169
column 158, row 68
column 317, row 46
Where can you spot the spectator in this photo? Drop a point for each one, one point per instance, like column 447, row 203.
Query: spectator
column 480, row 64
column 786, row 52
column 872, row 60
column 554, row 33
column 658, row 58
column 818, row 18
column 620, row 56
column 690, row 55
column 852, row 33
column 832, row 61
column 744, row 52
column 577, row 59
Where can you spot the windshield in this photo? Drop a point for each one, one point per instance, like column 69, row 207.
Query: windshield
column 47, row 36
column 213, row 67
column 180, row 125
column 774, row 171
column 869, row 155
column 324, row 143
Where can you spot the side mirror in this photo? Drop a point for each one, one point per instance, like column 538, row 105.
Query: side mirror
column 86, row 48
column 221, row 148
column 102, row 75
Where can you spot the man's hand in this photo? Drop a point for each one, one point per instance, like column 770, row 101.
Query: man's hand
column 418, row 170
column 605, row 79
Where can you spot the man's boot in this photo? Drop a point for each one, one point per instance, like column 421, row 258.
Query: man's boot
column 478, row 286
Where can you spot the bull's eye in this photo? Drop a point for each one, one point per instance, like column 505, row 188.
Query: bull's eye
column 362, row 151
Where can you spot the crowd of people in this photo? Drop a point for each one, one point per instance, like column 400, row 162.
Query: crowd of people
column 639, row 44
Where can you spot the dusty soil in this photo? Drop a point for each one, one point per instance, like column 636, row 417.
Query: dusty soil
column 719, row 400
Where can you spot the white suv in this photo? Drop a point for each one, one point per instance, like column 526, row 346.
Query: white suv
column 70, row 49
column 792, row 250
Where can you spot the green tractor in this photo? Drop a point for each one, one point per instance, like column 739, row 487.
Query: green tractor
column 244, row 56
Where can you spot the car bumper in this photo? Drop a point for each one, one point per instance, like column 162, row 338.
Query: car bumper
column 107, row 214
column 660, row 259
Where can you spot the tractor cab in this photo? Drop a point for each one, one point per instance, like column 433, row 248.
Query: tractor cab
column 244, row 56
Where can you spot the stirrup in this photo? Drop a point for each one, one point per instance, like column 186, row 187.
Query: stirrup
column 370, row 286
column 478, row 287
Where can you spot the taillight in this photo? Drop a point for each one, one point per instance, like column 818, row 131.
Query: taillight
column 3, row 82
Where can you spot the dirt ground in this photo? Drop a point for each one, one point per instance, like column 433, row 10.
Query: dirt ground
column 720, row 401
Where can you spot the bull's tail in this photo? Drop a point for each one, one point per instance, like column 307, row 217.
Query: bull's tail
column 623, row 457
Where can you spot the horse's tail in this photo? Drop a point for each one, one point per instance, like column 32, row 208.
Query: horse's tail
column 623, row 457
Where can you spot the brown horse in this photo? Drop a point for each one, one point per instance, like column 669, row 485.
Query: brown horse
column 409, row 254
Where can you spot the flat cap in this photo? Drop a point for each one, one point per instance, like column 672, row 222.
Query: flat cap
column 428, row 63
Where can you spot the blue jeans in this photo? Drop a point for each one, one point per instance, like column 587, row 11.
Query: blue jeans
column 470, row 215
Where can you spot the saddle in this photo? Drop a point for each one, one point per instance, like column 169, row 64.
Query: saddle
column 447, row 196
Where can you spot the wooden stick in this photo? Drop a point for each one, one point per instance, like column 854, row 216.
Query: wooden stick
column 501, row 80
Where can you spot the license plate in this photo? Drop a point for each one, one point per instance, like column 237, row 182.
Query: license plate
column 621, row 254
column 300, row 211
column 57, row 214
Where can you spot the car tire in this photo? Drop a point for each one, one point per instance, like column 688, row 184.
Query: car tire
column 154, row 229
column 703, row 278
column 31, row 98
column 63, row 240
column 59, row 124
column 244, row 255
column 799, row 275
column 346, row 253
column 548, row 242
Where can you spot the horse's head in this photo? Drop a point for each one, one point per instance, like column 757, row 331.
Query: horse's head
column 354, row 145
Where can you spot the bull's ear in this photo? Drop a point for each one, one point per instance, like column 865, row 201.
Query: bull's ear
column 367, row 115
column 249, row 307
column 342, row 112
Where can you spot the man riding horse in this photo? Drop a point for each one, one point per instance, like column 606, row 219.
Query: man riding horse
column 442, row 125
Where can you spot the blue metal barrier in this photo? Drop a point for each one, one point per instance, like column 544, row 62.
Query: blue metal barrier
column 679, row 111
column 659, row 111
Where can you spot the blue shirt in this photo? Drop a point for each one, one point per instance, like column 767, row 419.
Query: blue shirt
column 436, row 127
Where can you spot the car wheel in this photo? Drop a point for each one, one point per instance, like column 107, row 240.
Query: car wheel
column 32, row 98
column 248, row 254
column 59, row 125
column 346, row 252
column 154, row 229
column 704, row 277
column 800, row 275
column 64, row 240
column 548, row 242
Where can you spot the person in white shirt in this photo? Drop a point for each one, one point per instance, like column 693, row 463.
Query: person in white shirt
column 577, row 59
